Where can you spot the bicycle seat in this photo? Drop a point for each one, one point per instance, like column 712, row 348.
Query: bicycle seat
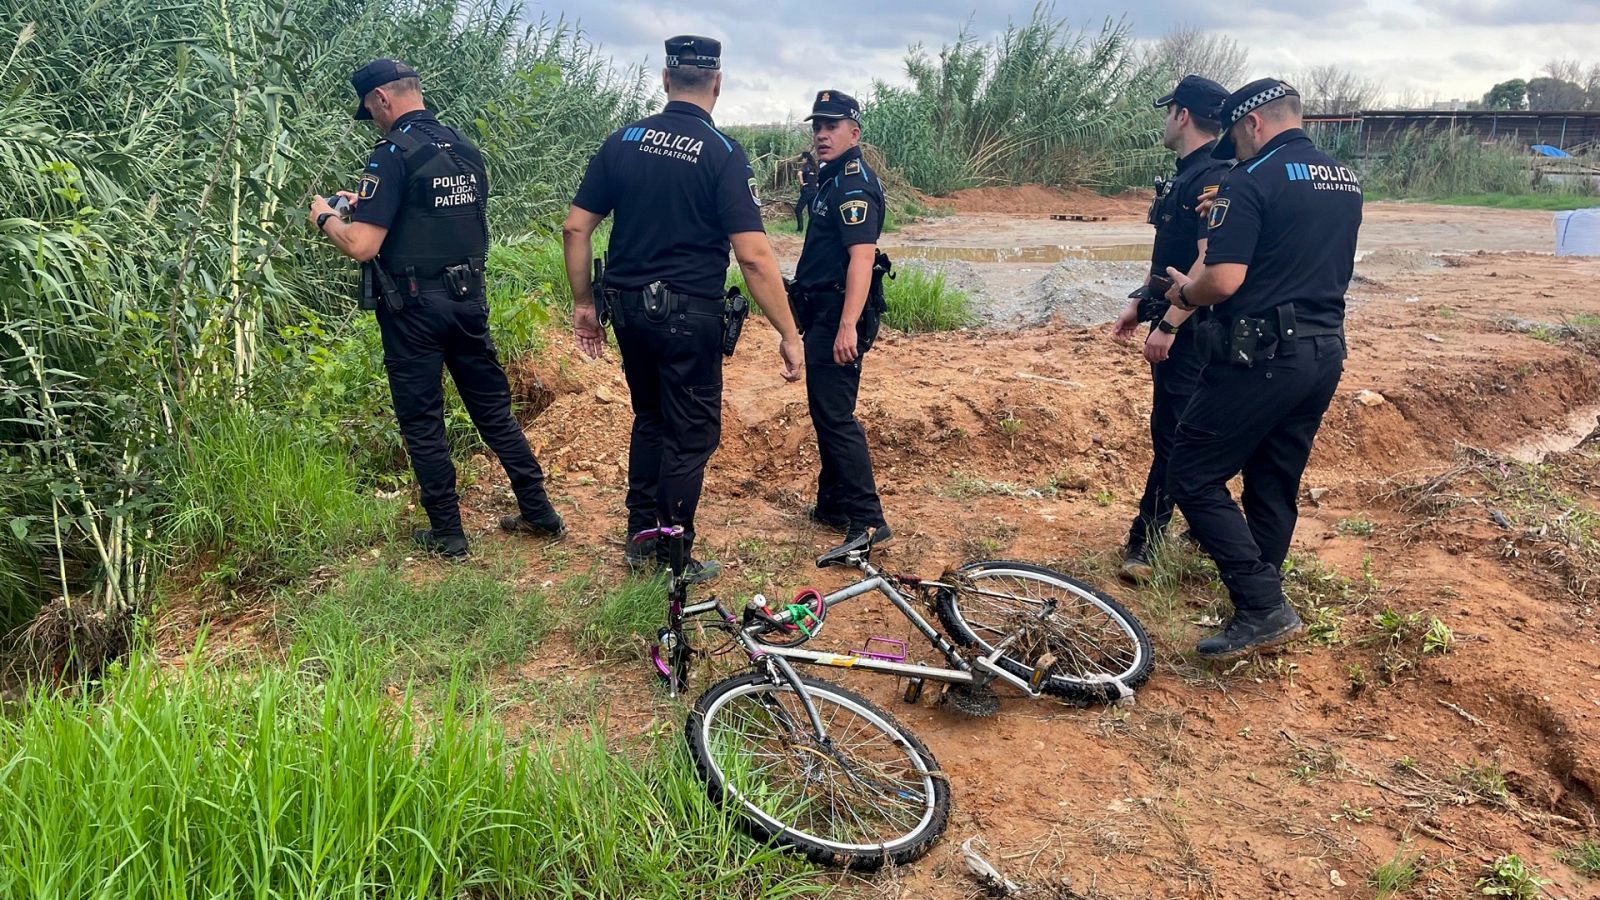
column 847, row 553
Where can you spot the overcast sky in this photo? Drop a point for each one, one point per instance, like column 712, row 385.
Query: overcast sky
column 778, row 53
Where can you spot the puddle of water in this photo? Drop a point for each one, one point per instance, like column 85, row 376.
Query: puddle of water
column 1580, row 423
column 1042, row 253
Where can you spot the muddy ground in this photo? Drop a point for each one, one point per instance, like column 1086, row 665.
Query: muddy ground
column 1294, row 776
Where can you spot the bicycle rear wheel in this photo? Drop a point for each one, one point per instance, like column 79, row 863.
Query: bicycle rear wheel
column 1101, row 652
column 868, row 795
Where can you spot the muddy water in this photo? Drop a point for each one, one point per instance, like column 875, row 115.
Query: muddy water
column 1579, row 424
column 1040, row 253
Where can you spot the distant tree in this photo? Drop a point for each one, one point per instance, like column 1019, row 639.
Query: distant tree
column 1511, row 94
column 1573, row 72
column 1330, row 90
column 1190, row 50
column 1547, row 92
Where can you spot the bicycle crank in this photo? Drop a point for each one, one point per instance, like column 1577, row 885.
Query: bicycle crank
column 976, row 700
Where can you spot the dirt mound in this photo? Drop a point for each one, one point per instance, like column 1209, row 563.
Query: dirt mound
column 1389, row 262
column 1038, row 199
column 1079, row 291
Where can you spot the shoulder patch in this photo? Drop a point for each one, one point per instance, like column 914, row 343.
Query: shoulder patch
column 368, row 186
column 1219, row 212
column 754, row 194
column 853, row 167
column 853, row 212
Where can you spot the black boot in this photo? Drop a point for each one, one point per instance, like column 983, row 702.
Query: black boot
column 547, row 525
column 641, row 554
column 1252, row 631
column 1136, row 566
column 453, row 546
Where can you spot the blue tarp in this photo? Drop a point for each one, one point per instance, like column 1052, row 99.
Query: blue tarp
column 1547, row 150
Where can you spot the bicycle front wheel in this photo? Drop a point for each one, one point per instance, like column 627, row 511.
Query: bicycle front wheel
column 867, row 794
column 1100, row 650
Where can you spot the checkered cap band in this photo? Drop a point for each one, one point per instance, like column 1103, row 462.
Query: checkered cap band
column 1267, row 96
column 701, row 62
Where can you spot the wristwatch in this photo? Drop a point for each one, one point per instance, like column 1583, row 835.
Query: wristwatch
column 323, row 219
column 1165, row 327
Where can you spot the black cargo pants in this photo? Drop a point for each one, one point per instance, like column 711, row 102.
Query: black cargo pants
column 1260, row 421
column 674, row 373
column 431, row 333
column 845, row 486
column 1173, row 383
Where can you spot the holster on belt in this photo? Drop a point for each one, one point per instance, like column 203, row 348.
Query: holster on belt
column 390, row 291
column 797, row 305
column 734, row 310
column 464, row 281
column 882, row 267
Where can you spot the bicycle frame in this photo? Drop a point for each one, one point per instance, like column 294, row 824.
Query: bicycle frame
column 979, row 671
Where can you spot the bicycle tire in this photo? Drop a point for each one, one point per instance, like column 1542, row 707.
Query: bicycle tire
column 1084, row 670
column 922, row 792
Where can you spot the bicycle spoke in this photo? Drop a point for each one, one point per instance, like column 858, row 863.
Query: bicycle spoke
column 861, row 786
column 1083, row 638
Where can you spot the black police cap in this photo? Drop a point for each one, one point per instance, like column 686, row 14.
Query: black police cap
column 1241, row 103
column 834, row 105
column 693, row 50
column 376, row 74
column 1199, row 95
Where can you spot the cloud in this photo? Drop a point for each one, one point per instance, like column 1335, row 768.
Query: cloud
column 777, row 54
column 1500, row 13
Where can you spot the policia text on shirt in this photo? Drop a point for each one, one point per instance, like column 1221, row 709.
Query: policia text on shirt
column 420, row 229
column 682, row 193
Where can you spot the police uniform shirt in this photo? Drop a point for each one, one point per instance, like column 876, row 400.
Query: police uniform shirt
column 678, row 187
column 1178, row 225
column 382, row 186
column 847, row 211
column 1291, row 214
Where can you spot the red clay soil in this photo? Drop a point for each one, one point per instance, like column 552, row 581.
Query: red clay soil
column 1293, row 776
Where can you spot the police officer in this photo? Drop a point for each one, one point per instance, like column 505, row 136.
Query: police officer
column 808, row 189
column 682, row 192
column 1280, row 250
column 840, row 302
column 1190, row 130
column 419, row 225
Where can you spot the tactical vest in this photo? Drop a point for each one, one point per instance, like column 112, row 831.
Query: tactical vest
column 442, row 221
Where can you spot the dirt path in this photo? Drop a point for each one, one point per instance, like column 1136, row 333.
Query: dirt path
column 1294, row 776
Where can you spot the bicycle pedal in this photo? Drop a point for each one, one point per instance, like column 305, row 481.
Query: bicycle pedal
column 913, row 690
column 1041, row 671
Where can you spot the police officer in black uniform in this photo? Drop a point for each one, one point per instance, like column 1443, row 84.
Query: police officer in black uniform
column 808, row 190
column 1280, row 250
column 682, row 192
column 839, row 302
column 419, row 224
column 1190, row 130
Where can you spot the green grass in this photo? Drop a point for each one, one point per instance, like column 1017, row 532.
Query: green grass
column 1360, row 526
column 615, row 620
column 1521, row 201
column 920, row 300
column 1509, row 876
column 312, row 781
column 426, row 625
column 1396, row 875
column 268, row 498
column 1584, row 857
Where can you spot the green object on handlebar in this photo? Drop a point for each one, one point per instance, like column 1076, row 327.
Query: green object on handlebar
column 800, row 614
